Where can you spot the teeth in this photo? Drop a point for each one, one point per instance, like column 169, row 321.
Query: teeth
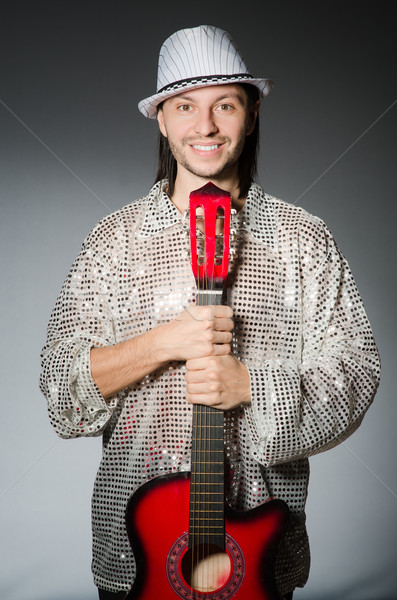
column 205, row 148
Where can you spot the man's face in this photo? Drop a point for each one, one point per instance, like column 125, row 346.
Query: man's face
column 206, row 128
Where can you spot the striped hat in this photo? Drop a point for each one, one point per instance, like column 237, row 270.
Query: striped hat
column 198, row 57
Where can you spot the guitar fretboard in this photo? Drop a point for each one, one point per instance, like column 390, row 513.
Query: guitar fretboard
column 206, row 517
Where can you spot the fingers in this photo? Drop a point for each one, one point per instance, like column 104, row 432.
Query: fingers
column 196, row 366
column 221, row 349
column 221, row 324
column 209, row 313
column 220, row 382
column 210, row 325
column 218, row 337
column 199, row 331
column 209, row 349
column 202, row 388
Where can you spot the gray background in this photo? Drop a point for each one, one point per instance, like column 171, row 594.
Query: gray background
column 74, row 147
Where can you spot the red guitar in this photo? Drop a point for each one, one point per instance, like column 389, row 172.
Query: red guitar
column 188, row 544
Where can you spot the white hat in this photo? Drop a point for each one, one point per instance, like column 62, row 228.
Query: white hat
column 198, row 57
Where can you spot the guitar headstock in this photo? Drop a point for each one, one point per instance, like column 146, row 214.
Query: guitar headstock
column 210, row 209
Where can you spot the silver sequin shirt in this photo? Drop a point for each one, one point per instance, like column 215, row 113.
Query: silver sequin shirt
column 300, row 328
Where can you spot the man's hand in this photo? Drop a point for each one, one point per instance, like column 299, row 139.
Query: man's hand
column 219, row 381
column 198, row 331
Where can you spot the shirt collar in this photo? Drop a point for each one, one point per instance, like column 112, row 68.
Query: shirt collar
column 160, row 213
column 258, row 215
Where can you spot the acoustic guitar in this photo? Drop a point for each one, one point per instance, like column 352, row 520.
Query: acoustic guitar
column 188, row 543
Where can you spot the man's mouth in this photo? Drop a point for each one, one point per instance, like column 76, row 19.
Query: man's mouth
column 206, row 148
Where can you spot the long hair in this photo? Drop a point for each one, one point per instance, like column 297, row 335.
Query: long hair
column 247, row 163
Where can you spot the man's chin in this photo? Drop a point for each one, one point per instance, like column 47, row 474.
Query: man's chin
column 220, row 173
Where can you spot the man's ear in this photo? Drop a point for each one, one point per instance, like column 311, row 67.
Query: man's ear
column 252, row 117
column 160, row 121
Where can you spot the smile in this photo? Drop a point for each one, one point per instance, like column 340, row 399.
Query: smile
column 206, row 148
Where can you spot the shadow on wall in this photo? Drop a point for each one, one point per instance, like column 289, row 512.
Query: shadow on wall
column 367, row 588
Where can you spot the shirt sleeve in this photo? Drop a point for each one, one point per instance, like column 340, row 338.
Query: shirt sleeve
column 81, row 319
column 302, row 407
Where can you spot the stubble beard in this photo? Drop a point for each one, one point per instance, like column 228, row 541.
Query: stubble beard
column 229, row 163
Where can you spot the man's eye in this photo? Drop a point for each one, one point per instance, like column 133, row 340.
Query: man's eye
column 184, row 107
column 225, row 107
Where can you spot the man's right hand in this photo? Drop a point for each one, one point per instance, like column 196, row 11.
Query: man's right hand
column 198, row 331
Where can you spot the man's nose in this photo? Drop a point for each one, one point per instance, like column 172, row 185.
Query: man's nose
column 205, row 123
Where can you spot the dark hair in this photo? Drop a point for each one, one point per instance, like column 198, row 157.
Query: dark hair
column 248, row 161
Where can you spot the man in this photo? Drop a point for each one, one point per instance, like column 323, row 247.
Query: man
column 128, row 351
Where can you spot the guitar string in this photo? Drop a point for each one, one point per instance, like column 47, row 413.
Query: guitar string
column 202, row 498
column 218, row 251
column 203, row 422
column 207, row 453
column 205, row 437
column 212, row 443
column 213, row 574
column 196, row 438
column 198, row 410
column 208, row 468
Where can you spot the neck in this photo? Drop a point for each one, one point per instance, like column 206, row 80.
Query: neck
column 186, row 182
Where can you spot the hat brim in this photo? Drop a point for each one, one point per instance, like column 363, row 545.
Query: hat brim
column 148, row 106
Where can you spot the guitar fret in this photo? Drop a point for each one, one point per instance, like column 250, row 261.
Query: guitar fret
column 207, row 511
column 217, row 292
column 209, row 449
column 206, row 483
column 197, row 520
column 204, row 453
column 208, row 432
column 208, row 473
column 205, row 475
column 209, row 493
column 205, row 527
column 206, row 522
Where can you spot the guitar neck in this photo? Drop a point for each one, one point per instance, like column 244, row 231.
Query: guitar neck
column 210, row 260
column 207, row 489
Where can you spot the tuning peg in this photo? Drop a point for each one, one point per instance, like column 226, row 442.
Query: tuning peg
column 233, row 235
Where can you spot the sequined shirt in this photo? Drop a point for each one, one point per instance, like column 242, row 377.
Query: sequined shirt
column 300, row 328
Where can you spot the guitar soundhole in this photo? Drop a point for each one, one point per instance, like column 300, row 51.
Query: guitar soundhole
column 214, row 575
column 206, row 568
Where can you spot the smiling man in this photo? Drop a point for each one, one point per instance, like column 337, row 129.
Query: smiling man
column 291, row 361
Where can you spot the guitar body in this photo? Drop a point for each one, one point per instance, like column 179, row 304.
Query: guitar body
column 157, row 521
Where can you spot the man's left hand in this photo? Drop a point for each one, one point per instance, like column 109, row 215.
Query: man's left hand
column 219, row 381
